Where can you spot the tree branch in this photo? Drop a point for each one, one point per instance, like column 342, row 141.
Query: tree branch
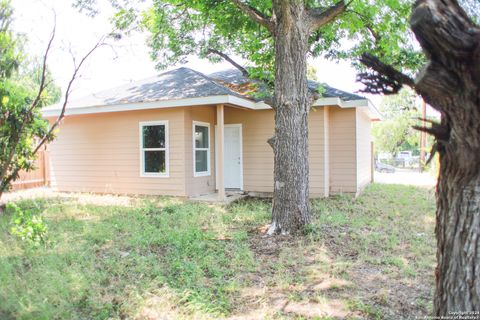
column 42, row 86
column 47, row 136
column 14, row 140
column 320, row 16
column 450, row 40
column 367, row 24
column 255, row 15
column 444, row 30
column 385, row 79
column 439, row 131
column 230, row 60
column 433, row 122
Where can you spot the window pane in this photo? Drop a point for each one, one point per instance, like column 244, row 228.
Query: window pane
column 154, row 136
column 201, row 137
column 155, row 161
column 201, row 164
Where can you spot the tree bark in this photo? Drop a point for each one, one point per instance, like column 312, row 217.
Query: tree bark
column 450, row 82
column 290, row 25
column 291, row 211
column 423, row 138
column 458, row 238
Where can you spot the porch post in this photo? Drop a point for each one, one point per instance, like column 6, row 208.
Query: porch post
column 220, row 157
column 326, row 152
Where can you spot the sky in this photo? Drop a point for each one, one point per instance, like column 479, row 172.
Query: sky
column 124, row 61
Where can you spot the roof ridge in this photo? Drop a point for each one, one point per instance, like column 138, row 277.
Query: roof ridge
column 352, row 94
column 227, row 90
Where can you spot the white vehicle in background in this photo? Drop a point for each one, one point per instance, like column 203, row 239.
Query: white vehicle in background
column 384, row 156
column 407, row 155
column 406, row 158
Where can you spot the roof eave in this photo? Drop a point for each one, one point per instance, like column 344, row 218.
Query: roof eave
column 209, row 100
column 373, row 112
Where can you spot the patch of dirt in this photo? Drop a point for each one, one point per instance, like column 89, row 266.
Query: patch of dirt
column 265, row 246
column 396, row 298
column 317, row 290
column 267, row 297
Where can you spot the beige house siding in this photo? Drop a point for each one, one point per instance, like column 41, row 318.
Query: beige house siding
column 318, row 147
column 101, row 153
column 364, row 152
column 343, row 164
column 258, row 127
column 204, row 184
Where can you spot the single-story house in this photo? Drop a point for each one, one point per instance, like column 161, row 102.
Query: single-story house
column 183, row 133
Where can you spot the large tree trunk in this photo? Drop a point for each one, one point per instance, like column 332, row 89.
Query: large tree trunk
column 291, row 102
column 451, row 84
column 458, row 225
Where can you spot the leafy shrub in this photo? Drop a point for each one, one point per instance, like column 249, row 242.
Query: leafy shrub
column 27, row 225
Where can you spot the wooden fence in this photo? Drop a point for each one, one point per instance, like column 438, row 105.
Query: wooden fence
column 35, row 178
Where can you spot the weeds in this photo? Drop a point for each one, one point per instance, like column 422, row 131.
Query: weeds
column 27, row 225
column 166, row 258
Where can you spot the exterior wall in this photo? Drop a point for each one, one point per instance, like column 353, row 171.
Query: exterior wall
column 318, row 149
column 364, row 152
column 343, row 163
column 199, row 185
column 101, row 153
column 258, row 126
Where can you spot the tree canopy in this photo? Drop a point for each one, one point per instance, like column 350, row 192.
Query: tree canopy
column 395, row 132
column 10, row 55
column 21, row 123
column 217, row 29
column 275, row 38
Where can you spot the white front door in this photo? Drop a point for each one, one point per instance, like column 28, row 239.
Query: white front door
column 233, row 156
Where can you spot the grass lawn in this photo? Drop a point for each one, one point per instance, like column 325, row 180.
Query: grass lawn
column 162, row 258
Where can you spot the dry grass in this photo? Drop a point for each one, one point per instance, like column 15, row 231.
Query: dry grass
column 163, row 258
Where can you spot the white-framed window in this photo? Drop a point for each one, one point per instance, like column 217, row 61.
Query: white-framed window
column 154, row 157
column 201, row 149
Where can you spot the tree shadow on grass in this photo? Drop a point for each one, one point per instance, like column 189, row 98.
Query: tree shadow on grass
column 177, row 260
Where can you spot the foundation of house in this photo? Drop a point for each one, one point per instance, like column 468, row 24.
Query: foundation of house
column 230, row 196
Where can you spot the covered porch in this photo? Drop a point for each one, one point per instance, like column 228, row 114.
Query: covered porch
column 214, row 197
column 228, row 161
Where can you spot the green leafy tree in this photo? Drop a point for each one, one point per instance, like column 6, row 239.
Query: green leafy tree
column 395, row 132
column 10, row 56
column 15, row 95
column 274, row 37
column 20, row 127
column 25, row 87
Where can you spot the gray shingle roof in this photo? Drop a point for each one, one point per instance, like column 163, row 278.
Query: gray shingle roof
column 330, row 92
column 177, row 84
